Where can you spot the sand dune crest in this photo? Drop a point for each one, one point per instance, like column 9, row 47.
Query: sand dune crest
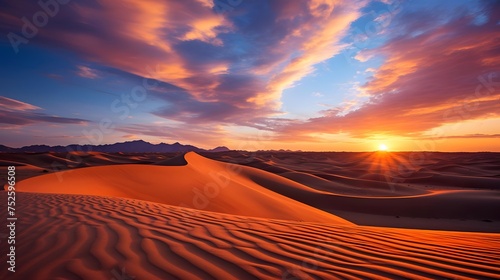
column 202, row 184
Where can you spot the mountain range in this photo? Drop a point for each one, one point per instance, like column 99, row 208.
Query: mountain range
column 137, row 146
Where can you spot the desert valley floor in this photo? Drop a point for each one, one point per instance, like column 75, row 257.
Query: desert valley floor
column 264, row 215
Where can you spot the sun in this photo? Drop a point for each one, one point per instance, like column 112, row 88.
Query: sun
column 382, row 147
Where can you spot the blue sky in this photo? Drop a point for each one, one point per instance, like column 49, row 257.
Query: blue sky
column 310, row 75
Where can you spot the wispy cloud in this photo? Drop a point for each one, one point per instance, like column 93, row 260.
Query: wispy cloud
column 224, row 70
column 443, row 75
column 15, row 112
column 86, row 72
column 467, row 136
column 9, row 104
column 232, row 64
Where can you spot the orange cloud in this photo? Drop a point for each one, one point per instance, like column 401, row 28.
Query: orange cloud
column 444, row 75
column 316, row 40
column 230, row 67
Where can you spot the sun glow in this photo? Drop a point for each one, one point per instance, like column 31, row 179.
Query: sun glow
column 382, row 147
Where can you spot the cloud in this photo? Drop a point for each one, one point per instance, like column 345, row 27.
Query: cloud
column 229, row 65
column 363, row 56
column 185, row 108
column 468, row 136
column 448, row 73
column 15, row 112
column 24, row 118
column 314, row 30
column 8, row 104
column 86, row 72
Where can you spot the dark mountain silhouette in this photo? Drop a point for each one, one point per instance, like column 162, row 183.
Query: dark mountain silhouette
column 5, row 149
column 137, row 146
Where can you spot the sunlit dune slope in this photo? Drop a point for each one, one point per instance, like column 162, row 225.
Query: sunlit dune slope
column 200, row 184
column 93, row 237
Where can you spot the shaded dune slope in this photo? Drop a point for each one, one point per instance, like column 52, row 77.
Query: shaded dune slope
column 333, row 196
column 366, row 183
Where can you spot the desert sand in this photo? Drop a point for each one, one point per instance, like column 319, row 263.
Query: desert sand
column 280, row 216
column 426, row 190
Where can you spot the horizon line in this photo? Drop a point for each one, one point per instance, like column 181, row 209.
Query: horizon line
column 237, row 150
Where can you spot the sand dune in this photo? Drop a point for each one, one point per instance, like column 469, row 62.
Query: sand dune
column 386, row 189
column 201, row 184
column 153, row 216
column 93, row 237
column 463, row 169
column 197, row 182
column 349, row 186
column 35, row 164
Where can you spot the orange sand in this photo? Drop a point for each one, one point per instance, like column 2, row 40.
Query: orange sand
column 189, row 217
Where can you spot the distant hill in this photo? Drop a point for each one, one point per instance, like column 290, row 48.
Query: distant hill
column 138, row 146
column 5, row 149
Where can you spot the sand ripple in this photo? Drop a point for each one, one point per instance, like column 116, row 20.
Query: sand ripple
column 62, row 236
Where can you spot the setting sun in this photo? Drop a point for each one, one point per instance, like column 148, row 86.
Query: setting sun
column 382, row 147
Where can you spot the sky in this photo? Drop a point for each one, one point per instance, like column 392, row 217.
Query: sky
column 332, row 75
